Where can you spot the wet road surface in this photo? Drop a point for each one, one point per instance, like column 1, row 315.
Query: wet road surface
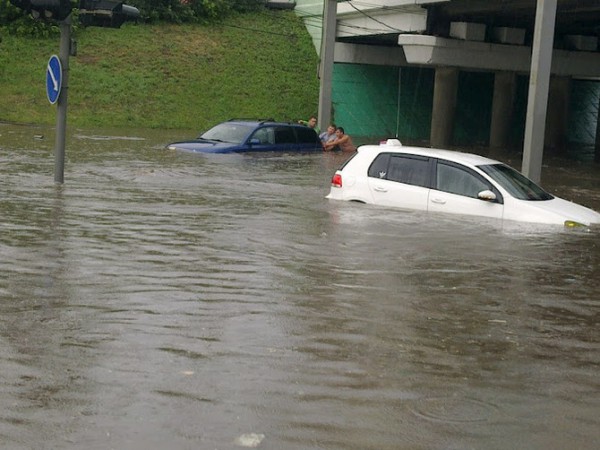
column 164, row 300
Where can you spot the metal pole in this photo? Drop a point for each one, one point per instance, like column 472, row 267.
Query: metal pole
column 326, row 66
column 61, row 112
column 539, row 84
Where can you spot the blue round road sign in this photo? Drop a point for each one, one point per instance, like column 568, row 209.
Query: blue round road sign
column 53, row 79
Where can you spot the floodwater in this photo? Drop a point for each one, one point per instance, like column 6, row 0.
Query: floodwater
column 165, row 300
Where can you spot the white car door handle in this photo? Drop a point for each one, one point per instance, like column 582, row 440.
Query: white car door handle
column 379, row 189
column 439, row 201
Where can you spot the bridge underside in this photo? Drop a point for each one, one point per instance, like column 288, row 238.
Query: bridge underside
column 496, row 38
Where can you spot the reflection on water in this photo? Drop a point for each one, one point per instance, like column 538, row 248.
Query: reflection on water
column 161, row 299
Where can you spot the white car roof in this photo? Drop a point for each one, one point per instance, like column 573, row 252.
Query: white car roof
column 394, row 146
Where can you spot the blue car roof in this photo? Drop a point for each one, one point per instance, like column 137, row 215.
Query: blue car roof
column 258, row 122
column 215, row 144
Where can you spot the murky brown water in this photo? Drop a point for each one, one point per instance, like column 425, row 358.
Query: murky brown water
column 161, row 300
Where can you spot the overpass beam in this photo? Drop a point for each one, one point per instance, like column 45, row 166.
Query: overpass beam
column 444, row 106
column 505, row 84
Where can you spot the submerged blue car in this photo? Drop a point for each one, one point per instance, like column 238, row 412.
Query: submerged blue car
column 241, row 135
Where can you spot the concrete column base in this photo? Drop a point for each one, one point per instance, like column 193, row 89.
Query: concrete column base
column 444, row 106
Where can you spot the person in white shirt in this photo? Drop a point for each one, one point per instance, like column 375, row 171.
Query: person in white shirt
column 328, row 135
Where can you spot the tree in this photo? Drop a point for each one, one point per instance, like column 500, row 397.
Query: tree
column 17, row 21
column 178, row 11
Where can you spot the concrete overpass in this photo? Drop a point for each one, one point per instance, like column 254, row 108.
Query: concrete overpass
column 553, row 41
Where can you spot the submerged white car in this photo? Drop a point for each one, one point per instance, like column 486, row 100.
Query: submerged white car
column 451, row 182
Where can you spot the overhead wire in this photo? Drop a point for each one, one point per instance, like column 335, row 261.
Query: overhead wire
column 315, row 21
column 357, row 30
column 372, row 18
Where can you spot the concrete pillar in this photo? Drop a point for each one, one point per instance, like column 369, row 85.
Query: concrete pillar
column 558, row 114
column 505, row 84
column 539, row 80
column 326, row 63
column 444, row 105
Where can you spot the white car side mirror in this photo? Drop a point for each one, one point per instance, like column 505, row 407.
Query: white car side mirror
column 486, row 195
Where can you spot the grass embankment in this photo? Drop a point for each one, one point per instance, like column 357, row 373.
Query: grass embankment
column 168, row 76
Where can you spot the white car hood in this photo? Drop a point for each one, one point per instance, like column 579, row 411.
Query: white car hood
column 555, row 211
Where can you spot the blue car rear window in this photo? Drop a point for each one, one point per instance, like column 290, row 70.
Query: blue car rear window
column 234, row 133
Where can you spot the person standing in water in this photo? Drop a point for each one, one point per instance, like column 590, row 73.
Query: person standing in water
column 311, row 123
column 328, row 135
column 341, row 142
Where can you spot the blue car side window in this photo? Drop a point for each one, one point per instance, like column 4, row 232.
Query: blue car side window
column 264, row 135
column 284, row 135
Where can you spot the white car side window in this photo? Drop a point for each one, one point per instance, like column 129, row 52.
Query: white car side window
column 379, row 167
column 412, row 170
column 458, row 181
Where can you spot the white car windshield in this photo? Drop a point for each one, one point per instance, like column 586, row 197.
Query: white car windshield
column 517, row 185
column 233, row 133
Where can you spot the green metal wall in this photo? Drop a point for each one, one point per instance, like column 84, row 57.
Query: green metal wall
column 366, row 100
column 583, row 115
column 473, row 109
column 377, row 102
column 585, row 99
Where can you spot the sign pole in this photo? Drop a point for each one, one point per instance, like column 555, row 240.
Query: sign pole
column 61, row 113
column 326, row 62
